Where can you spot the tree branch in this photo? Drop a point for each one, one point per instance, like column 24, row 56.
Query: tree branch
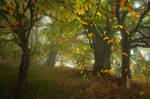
column 97, row 8
column 140, row 20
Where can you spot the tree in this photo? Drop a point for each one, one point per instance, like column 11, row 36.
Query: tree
column 97, row 25
column 19, row 17
column 131, row 19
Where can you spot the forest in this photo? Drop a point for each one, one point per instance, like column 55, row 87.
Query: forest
column 74, row 49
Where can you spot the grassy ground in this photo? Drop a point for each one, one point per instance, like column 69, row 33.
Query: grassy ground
column 65, row 83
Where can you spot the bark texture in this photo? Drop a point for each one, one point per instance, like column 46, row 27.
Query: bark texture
column 102, row 53
column 125, row 70
column 51, row 59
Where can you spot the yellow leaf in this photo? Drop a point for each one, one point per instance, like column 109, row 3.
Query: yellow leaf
column 85, row 23
column 80, row 26
column 99, row 14
column 116, row 26
column 101, row 71
column 78, row 18
column 114, row 18
column 106, row 71
column 127, row 32
column 110, row 72
column 106, row 37
column 80, row 66
column 81, row 72
column 110, row 20
column 117, row 39
column 82, row 52
column 109, row 41
column 121, row 26
column 79, row 12
column 98, row 74
column 77, row 49
column 84, row 76
column 82, row 11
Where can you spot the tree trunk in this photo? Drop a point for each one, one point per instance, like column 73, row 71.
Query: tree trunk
column 125, row 70
column 102, row 50
column 51, row 59
column 102, row 53
column 25, row 61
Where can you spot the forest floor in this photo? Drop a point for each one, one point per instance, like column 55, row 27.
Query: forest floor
column 66, row 83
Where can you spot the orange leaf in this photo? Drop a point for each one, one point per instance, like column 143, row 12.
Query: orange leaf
column 33, row 1
column 7, row 5
column 17, row 23
column 86, row 8
column 129, row 9
column 142, row 58
column 76, row 12
column 113, row 15
column 124, row 54
column 105, row 32
column 67, row 16
column 90, row 34
column 6, row 34
column 64, row 20
column 145, row 73
column 122, row 3
column 11, row 11
column 126, row 69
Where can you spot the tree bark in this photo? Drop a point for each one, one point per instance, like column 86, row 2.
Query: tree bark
column 125, row 70
column 102, row 50
column 51, row 59
column 25, row 61
column 102, row 53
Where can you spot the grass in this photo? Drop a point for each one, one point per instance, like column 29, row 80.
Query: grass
column 65, row 83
